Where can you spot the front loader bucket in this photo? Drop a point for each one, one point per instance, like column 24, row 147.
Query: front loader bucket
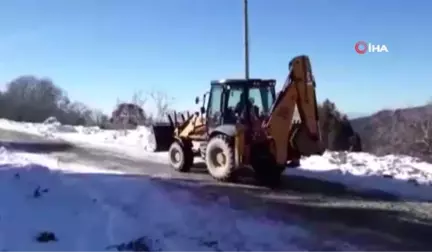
column 161, row 137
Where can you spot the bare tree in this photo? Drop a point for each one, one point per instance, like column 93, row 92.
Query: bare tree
column 424, row 141
column 139, row 99
column 130, row 114
column 163, row 103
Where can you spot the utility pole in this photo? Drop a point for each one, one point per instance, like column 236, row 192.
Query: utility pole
column 246, row 38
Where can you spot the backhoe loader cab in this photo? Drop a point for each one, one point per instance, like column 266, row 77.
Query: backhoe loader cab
column 235, row 100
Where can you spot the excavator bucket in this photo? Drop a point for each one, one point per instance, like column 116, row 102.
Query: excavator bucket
column 161, row 137
column 162, row 134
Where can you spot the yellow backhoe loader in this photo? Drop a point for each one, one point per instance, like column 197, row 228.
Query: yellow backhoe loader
column 244, row 124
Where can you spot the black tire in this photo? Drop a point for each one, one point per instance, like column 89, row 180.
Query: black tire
column 267, row 171
column 222, row 170
column 181, row 156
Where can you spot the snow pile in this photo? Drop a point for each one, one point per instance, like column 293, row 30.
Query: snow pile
column 136, row 140
column 401, row 176
column 52, row 125
column 365, row 164
column 51, row 120
column 71, row 207
column 49, row 128
column 8, row 158
column 136, row 137
column 88, row 130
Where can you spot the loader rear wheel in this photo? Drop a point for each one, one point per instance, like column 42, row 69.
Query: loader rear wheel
column 180, row 156
column 219, row 158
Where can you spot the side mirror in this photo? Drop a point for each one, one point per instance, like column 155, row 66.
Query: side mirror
column 202, row 110
column 197, row 100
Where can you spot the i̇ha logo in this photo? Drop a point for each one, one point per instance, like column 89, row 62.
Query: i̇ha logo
column 363, row 47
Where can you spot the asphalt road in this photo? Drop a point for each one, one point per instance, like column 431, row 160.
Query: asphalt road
column 373, row 222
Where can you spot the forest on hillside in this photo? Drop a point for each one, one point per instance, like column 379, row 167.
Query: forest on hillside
column 406, row 131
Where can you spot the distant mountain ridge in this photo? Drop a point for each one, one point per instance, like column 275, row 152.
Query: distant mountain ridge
column 405, row 131
column 354, row 115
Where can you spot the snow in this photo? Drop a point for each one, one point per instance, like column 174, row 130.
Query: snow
column 401, row 176
column 130, row 142
column 91, row 209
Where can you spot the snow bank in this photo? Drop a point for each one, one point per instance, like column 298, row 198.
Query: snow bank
column 133, row 143
column 365, row 164
column 49, row 128
column 87, row 209
column 137, row 138
column 402, row 176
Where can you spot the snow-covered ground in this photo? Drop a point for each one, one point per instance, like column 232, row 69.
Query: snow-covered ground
column 51, row 206
column 399, row 175
column 130, row 142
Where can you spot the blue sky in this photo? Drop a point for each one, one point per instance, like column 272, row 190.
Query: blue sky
column 102, row 50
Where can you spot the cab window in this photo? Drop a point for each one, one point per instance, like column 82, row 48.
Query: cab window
column 214, row 107
column 261, row 98
column 234, row 104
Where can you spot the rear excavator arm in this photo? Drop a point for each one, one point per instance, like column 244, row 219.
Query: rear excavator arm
column 293, row 121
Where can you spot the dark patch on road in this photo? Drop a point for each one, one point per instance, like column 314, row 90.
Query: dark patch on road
column 19, row 141
column 35, row 147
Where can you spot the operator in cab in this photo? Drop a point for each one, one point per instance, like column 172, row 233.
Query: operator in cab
column 243, row 103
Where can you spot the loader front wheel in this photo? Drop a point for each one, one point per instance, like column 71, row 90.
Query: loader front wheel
column 180, row 156
column 219, row 158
